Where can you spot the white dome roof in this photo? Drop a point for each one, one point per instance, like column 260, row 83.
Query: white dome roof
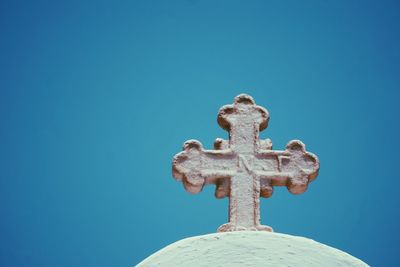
column 249, row 249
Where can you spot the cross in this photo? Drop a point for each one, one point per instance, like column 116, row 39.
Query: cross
column 244, row 168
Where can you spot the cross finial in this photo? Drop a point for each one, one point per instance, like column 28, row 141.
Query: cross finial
column 244, row 167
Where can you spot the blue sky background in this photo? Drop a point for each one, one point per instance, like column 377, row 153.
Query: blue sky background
column 97, row 96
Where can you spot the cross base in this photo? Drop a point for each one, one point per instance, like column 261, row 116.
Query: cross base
column 230, row 227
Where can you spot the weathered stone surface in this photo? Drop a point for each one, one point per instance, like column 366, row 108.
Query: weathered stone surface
column 254, row 249
column 244, row 167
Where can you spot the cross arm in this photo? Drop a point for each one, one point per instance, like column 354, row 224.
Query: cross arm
column 294, row 168
column 195, row 167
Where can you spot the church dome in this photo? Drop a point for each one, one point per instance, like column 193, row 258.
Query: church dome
column 249, row 248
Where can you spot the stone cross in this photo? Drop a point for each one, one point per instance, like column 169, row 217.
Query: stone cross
column 244, row 167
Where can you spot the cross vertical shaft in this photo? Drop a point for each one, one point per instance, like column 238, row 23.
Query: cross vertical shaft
column 243, row 203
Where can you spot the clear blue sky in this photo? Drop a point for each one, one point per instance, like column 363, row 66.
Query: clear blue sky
column 97, row 96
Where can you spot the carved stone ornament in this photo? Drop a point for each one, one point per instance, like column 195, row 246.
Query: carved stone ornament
column 244, row 168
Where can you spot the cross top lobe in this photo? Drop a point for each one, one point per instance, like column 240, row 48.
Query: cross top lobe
column 244, row 168
column 243, row 120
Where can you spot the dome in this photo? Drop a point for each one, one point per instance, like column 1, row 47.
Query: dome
column 249, row 248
